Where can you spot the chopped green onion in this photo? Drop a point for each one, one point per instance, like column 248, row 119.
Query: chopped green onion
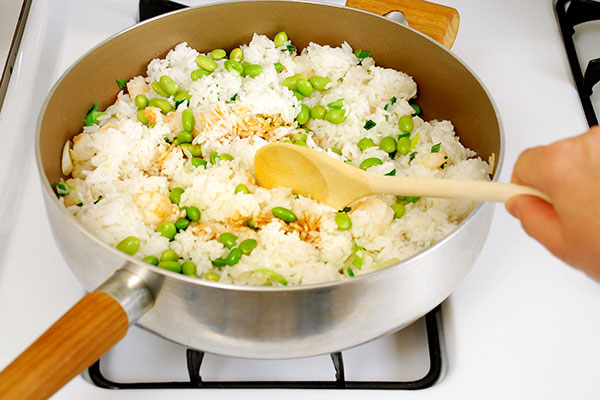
column 436, row 147
column 346, row 209
column 358, row 260
column 92, row 116
column 350, row 272
column 122, row 83
column 291, row 48
column 232, row 99
column 392, row 172
column 391, row 103
column 369, row 124
column 413, row 141
column 63, row 189
column 412, row 156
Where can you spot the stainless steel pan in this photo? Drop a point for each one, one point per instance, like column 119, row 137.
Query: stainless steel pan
column 254, row 322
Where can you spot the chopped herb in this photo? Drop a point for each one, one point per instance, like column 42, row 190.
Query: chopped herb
column 122, row 83
column 392, row 172
column 387, row 117
column 412, row 156
column 178, row 102
column 62, row 189
column 168, row 141
column 92, row 116
column 233, row 97
column 347, row 161
column 391, row 103
column 99, row 198
column 369, row 124
column 346, row 209
column 436, row 147
column 416, row 108
column 350, row 272
column 412, row 199
column 80, row 204
column 444, row 163
column 414, row 140
column 359, row 255
column 361, row 55
column 291, row 48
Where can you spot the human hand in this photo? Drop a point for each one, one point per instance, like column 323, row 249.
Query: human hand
column 568, row 171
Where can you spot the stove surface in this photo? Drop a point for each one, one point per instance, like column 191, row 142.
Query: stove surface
column 520, row 325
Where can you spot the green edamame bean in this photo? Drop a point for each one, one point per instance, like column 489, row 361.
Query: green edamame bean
column 233, row 257
column 280, row 39
column 297, row 95
column 403, row 145
column 168, row 85
column 299, row 137
column 318, row 112
column 290, row 81
column 213, row 158
column 336, row 151
column 370, row 162
column 278, row 66
column 335, row 116
column 388, row 144
column 188, row 120
column 247, row 246
column 188, row 268
column 199, row 73
column 193, row 213
column 304, row 86
column 250, row 224
column 150, row 260
column 217, row 54
column 411, row 199
column 304, row 115
column 142, row 117
column 169, row 255
column 241, row 188
column 343, row 221
column 319, row 82
column 236, row 54
column 197, row 161
column 164, row 106
column 252, row 70
column 181, row 97
column 176, row 142
column 284, row 214
column 167, row 229
column 130, row 245
column 141, row 101
column 338, row 104
column 185, row 137
column 211, row 276
column 301, row 143
column 398, row 209
column 175, row 195
column 170, row 265
column 182, row 224
column 228, row 240
column 158, row 89
column 226, row 156
column 206, row 63
column 194, row 149
column 405, row 123
column 234, row 66
column 219, row 262
column 365, row 143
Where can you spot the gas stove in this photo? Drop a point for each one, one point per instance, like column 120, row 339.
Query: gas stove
column 520, row 325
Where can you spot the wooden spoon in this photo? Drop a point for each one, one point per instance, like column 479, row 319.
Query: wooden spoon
column 331, row 181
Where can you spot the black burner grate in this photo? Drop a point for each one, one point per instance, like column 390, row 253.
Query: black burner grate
column 571, row 13
column 195, row 357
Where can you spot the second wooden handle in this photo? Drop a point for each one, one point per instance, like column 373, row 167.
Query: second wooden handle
column 79, row 338
column 434, row 20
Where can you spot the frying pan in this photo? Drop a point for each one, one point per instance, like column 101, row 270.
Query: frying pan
column 252, row 322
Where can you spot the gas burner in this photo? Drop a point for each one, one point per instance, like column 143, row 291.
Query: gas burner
column 571, row 13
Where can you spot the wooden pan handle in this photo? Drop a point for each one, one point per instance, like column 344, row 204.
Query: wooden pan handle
column 79, row 338
column 434, row 20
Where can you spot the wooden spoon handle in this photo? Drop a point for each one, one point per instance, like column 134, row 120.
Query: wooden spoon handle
column 434, row 20
column 454, row 189
column 79, row 338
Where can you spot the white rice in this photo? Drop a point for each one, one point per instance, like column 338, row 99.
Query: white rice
column 131, row 168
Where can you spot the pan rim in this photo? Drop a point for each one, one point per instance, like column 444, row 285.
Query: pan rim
column 47, row 191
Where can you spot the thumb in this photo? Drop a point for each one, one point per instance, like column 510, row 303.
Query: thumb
column 539, row 220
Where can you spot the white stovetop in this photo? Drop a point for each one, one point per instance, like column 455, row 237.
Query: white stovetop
column 521, row 325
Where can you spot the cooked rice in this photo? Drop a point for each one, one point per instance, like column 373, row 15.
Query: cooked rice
column 131, row 167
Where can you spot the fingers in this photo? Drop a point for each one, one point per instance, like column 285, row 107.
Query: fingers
column 539, row 220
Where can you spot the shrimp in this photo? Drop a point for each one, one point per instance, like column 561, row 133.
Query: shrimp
column 156, row 207
column 137, row 86
column 374, row 215
column 432, row 160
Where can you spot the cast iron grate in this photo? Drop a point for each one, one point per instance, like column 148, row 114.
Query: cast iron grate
column 194, row 363
column 569, row 14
